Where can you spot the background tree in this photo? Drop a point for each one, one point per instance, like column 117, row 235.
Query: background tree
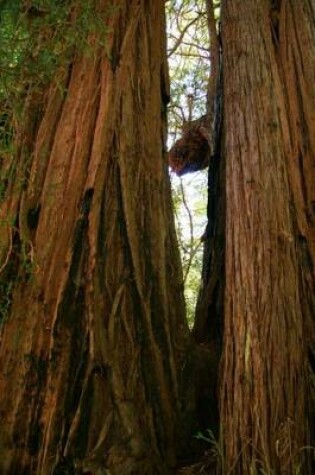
column 94, row 334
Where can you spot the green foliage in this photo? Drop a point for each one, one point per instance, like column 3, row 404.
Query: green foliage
column 39, row 36
column 214, row 450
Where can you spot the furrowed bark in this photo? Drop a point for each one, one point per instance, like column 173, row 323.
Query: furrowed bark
column 264, row 389
column 93, row 343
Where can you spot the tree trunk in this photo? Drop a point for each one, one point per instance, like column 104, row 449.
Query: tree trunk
column 94, row 336
column 296, row 56
column 208, row 326
column 268, row 72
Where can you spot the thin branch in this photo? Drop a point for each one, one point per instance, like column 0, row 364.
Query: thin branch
column 181, row 36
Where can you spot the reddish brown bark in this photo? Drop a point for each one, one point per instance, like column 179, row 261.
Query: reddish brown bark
column 269, row 305
column 92, row 345
column 296, row 56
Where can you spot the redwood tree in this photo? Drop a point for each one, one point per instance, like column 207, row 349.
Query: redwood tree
column 93, row 340
column 94, row 333
column 264, row 189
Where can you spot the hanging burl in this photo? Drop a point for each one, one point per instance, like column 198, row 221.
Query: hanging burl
column 191, row 152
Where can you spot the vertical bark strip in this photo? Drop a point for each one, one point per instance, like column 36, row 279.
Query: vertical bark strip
column 264, row 393
column 207, row 330
column 295, row 48
column 92, row 346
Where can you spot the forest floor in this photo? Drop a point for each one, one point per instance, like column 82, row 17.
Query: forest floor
column 206, row 466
